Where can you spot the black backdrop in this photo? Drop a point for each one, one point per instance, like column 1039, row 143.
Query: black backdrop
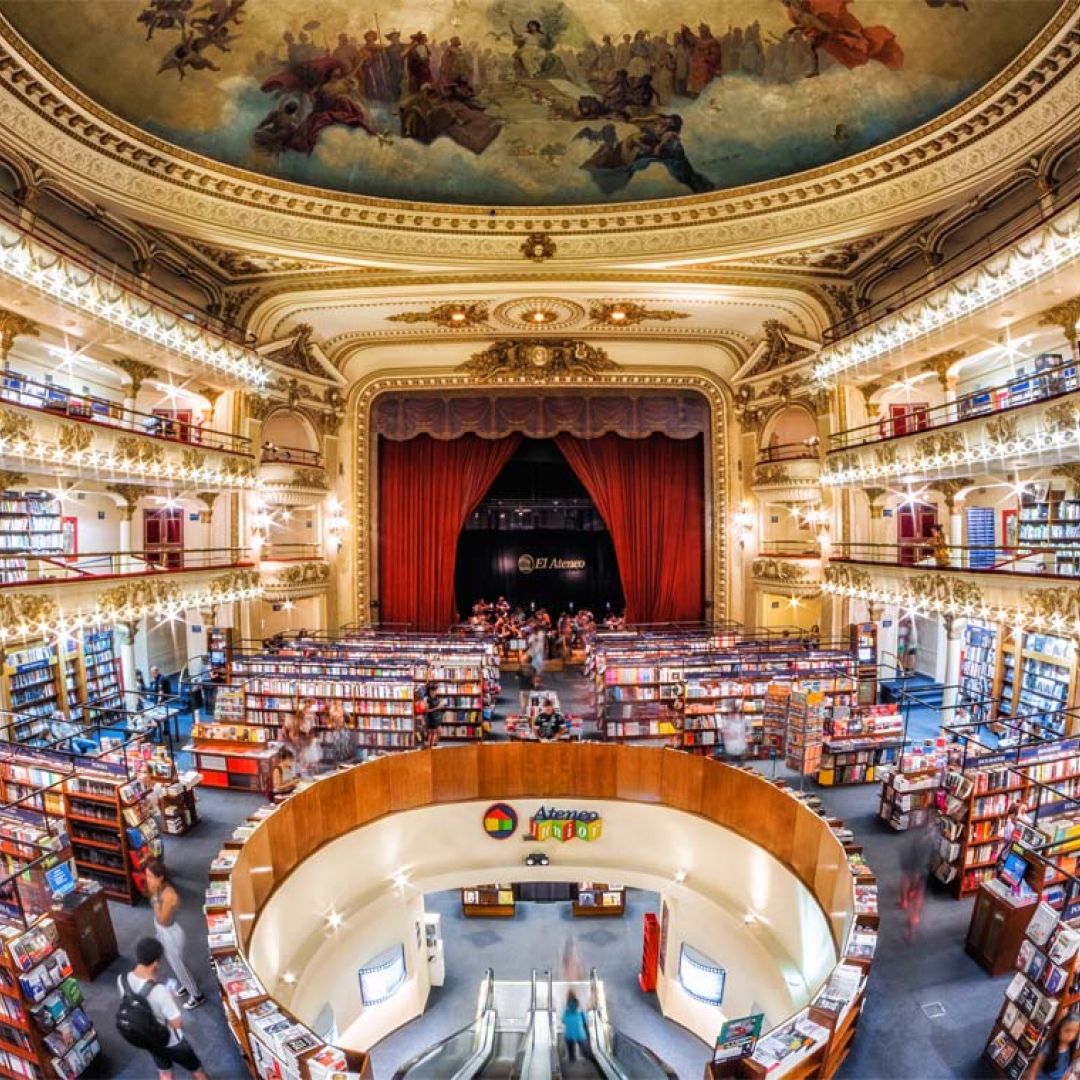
column 493, row 562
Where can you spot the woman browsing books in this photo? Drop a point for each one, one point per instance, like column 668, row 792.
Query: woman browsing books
column 1057, row 1058
column 165, row 901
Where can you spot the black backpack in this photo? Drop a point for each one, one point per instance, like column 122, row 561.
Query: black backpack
column 135, row 1020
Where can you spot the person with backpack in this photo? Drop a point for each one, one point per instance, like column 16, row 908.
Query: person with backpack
column 149, row 1016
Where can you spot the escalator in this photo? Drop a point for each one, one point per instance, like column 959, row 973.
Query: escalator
column 516, row 1036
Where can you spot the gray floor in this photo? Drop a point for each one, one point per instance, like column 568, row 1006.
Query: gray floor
column 896, row 1038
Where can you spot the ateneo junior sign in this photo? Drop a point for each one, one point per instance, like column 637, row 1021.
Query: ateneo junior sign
column 530, row 564
column 548, row 823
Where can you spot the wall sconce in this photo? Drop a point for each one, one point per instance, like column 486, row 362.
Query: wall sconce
column 337, row 522
column 742, row 521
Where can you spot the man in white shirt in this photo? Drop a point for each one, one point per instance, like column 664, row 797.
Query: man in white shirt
column 148, row 954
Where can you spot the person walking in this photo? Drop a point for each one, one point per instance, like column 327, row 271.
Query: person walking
column 434, row 711
column 573, row 1020
column 161, row 1033
column 165, row 901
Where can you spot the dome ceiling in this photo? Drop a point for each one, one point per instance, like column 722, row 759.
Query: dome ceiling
column 508, row 103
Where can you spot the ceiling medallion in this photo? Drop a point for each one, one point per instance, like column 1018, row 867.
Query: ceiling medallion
column 537, row 361
column 453, row 315
column 539, row 313
column 617, row 313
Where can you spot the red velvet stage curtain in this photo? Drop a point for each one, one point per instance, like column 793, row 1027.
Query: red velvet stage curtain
column 427, row 489
column 651, row 494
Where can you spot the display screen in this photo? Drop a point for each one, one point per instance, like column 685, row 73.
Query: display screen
column 383, row 976
column 701, row 977
column 1013, row 868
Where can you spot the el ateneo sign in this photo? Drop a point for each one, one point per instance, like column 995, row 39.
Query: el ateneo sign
column 531, row 564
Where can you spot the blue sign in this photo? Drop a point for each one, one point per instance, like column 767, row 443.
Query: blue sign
column 61, row 879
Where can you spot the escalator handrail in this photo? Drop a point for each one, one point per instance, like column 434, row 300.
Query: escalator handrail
column 553, row 1034
column 484, row 1028
column 601, row 1038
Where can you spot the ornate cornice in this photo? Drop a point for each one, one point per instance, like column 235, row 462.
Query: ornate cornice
column 75, row 137
column 13, row 325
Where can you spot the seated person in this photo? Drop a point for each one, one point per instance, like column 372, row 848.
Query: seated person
column 282, row 774
column 67, row 735
column 550, row 723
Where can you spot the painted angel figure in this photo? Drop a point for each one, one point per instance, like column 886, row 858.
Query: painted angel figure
column 534, row 56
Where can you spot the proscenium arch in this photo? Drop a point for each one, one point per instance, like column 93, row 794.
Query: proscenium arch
column 364, row 457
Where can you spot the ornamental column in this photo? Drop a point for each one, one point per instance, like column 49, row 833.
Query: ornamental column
column 941, row 365
column 954, row 492
column 130, row 493
column 125, row 639
column 1065, row 316
column 954, row 641
column 137, row 372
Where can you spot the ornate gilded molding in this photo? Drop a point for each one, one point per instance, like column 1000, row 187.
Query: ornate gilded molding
column 718, row 480
column 624, row 313
column 940, row 444
column 846, row 576
column 130, row 493
column 950, row 489
column 1057, row 606
column 771, row 474
column 14, row 428
column 296, row 580
column 945, row 590
column 1002, row 430
column 451, row 315
column 1011, row 114
column 941, row 363
column 13, row 325
column 75, row 438
column 139, row 451
column 873, row 494
column 1064, row 316
column 27, row 611
column 538, row 360
column 780, row 350
column 9, row 479
column 538, row 247
column 260, row 407
column 1062, row 416
column 137, row 371
column 779, row 571
column 298, row 353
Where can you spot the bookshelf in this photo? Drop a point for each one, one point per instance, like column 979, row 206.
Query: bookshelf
column 863, row 645
column 978, row 669
column 774, row 716
column 30, row 525
column 488, row 902
column 44, row 1029
column 591, row 899
column 112, row 831
column 101, row 670
column 1046, row 984
column 804, row 731
column 858, row 742
column 32, row 680
column 1047, row 672
column 971, row 824
column 642, row 702
column 907, row 798
column 1049, row 518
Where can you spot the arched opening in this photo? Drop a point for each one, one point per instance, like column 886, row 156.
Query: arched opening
column 290, row 437
column 790, row 434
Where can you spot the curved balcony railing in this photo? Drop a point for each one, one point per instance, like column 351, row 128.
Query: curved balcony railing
column 288, row 552
column 797, row 451
column 1045, row 560
column 74, row 249
column 1006, row 231
column 21, row 390
column 270, row 453
column 1051, row 382
column 29, row 568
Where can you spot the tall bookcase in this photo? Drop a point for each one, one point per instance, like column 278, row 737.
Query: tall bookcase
column 113, row 832
column 978, row 669
column 30, row 524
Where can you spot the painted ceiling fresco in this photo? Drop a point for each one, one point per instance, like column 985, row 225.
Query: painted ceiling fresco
column 528, row 102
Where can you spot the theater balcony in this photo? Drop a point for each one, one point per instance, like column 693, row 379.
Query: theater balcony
column 788, row 472
column 793, row 568
column 47, row 430
column 291, row 571
column 1024, row 422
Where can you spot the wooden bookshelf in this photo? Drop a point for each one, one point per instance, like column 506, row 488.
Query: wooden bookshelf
column 112, row 831
column 488, row 902
column 591, row 900
column 860, row 743
column 907, row 798
column 44, row 1029
column 980, row 662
